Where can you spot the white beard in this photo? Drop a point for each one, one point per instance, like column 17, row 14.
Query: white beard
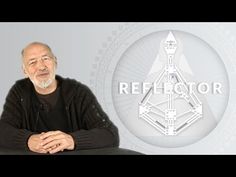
column 43, row 84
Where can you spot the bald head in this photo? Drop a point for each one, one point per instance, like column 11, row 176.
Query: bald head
column 35, row 44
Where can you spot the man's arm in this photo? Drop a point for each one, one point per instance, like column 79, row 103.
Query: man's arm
column 98, row 131
column 11, row 134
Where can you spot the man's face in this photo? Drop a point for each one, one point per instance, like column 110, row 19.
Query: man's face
column 39, row 65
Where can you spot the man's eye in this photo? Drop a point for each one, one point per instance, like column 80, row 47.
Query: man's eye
column 46, row 58
column 32, row 63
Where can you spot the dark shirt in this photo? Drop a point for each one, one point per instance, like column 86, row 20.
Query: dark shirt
column 52, row 115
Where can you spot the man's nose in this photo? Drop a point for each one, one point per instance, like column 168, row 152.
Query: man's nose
column 41, row 64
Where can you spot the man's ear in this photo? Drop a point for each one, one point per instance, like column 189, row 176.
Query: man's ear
column 24, row 71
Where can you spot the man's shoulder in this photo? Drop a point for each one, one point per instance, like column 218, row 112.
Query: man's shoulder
column 21, row 87
column 23, row 80
column 70, row 83
column 22, row 83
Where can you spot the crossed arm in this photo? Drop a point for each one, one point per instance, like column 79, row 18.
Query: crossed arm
column 15, row 133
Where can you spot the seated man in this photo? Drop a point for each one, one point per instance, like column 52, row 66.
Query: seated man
column 47, row 113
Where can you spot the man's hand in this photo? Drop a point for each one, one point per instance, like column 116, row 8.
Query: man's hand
column 55, row 141
column 34, row 143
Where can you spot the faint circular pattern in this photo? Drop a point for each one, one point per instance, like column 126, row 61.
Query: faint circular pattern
column 125, row 35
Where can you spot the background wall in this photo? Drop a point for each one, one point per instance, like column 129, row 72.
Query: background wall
column 79, row 47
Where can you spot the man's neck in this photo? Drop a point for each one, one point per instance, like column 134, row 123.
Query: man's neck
column 51, row 88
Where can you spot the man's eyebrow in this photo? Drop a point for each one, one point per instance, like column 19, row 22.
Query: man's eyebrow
column 32, row 59
column 40, row 57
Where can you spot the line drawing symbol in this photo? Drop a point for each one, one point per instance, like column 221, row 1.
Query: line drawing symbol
column 163, row 115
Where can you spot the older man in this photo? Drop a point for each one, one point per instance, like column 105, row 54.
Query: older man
column 46, row 113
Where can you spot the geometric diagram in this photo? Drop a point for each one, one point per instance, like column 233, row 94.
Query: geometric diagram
column 163, row 115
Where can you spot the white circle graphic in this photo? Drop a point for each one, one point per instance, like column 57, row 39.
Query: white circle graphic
column 143, row 61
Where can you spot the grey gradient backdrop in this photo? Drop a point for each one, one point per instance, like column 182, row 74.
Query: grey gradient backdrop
column 77, row 47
